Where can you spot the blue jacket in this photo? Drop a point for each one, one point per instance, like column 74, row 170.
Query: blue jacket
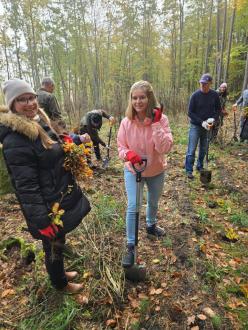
column 243, row 100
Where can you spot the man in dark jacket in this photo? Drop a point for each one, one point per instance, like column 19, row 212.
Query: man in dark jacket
column 91, row 123
column 204, row 109
column 47, row 100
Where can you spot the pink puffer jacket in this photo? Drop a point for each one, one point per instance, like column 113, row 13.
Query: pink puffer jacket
column 147, row 139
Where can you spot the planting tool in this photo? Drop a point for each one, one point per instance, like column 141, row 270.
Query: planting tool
column 235, row 138
column 107, row 158
column 206, row 174
column 137, row 272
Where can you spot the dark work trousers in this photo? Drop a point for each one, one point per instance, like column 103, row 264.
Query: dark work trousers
column 93, row 133
column 97, row 151
column 54, row 260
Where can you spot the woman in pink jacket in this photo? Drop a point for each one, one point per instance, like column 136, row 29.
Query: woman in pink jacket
column 143, row 133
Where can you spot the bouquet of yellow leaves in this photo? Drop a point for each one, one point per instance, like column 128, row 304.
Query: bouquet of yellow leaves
column 76, row 159
column 56, row 215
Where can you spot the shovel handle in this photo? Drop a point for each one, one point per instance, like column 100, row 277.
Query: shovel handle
column 139, row 170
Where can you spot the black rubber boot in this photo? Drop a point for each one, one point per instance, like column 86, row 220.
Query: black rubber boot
column 128, row 259
column 155, row 231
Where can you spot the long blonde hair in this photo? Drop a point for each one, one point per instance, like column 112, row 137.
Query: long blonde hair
column 146, row 87
column 46, row 141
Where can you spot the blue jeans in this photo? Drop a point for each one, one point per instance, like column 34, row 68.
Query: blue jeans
column 196, row 134
column 155, row 186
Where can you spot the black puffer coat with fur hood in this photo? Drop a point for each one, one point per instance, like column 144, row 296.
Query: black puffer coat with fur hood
column 37, row 173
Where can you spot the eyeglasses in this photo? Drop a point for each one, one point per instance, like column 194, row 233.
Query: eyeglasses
column 26, row 100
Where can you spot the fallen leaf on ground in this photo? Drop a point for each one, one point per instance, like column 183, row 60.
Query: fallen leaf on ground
column 232, row 263
column 238, row 279
column 87, row 275
column 134, row 302
column 159, row 291
column 235, row 303
column 244, row 289
column 202, row 317
column 176, row 275
column 7, row 292
column 111, row 323
column 209, row 312
column 142, row 296
column 82, row 299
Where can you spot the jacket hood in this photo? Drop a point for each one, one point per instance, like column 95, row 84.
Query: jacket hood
column 10, row 121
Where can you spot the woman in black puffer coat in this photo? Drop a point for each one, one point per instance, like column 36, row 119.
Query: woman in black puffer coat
column 34, row 157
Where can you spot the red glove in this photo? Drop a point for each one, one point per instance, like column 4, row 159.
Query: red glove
column 67, row 139
column 132, row 157
column 157, row 114
column 50, row 231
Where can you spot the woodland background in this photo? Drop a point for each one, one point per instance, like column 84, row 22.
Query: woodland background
column 95, row 50
column 197, row 276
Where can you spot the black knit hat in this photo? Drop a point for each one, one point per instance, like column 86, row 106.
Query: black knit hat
column 96, row 120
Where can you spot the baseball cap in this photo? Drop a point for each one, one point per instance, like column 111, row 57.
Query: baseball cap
column 205, row 78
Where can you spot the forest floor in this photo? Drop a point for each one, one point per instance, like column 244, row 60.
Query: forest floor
column 197, row 275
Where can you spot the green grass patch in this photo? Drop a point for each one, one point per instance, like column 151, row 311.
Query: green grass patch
column 236, row 250
column 48, row 316
column 234, row 290
column 240, row 219
column 243, row 269
column 225, row 206
column 109, row 212
column 243, row 317
column 214, row 274
column 216, row 322
column 202, row 215
column 180, row 134
column 167, row 242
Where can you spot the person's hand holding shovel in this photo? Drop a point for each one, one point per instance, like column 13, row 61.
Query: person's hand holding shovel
column 234, row 107
column 112, row 120
column 208, row 124
column 132, row 158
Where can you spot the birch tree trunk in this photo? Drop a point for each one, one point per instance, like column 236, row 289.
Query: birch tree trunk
column 245, row 82
column 217, row 61
column 222, row 45
column 230, row 41
column 5, row 49
column 181, row 21
column 206, row 68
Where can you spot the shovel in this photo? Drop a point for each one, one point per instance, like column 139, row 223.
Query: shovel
column 107, row 158
column 206, row 175
column 137, row 272
column 235, row 138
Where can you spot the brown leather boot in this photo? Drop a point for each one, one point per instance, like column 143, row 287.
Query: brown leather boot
column 71, row 275
column 73, row 288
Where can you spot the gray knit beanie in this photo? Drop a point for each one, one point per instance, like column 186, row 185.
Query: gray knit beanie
column 14, row 88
